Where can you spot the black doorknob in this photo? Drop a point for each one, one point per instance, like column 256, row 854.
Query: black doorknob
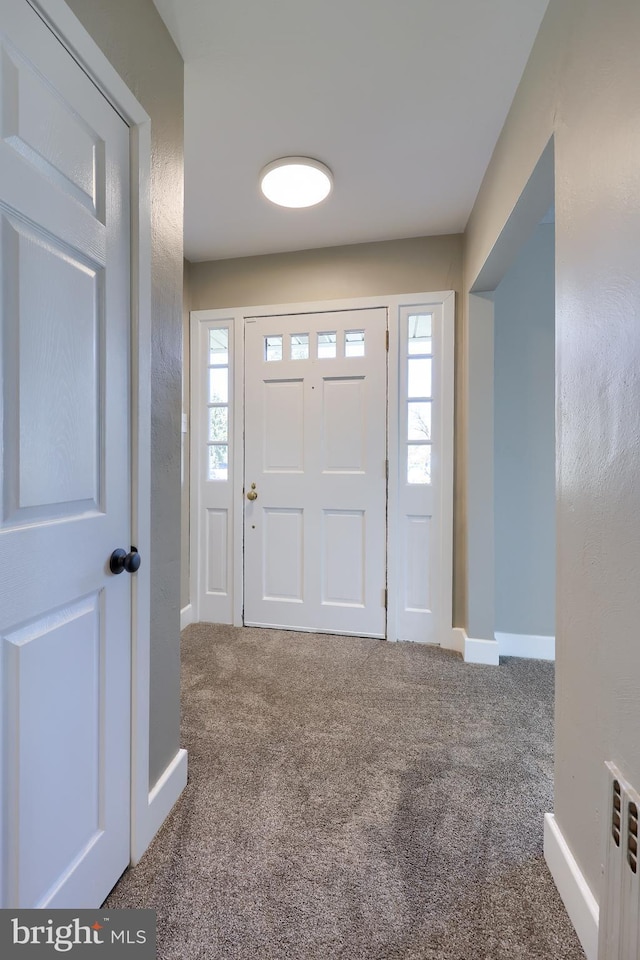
column 120, row 561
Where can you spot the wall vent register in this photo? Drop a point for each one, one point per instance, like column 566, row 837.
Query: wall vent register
column 616, row 821
column 632, row 836
column 619, row 922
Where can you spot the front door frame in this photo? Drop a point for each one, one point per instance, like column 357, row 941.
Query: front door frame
column 373, row 364
column 145, row 814
column 234, row 317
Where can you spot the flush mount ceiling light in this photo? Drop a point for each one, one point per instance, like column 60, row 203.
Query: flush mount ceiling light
column 296, row 182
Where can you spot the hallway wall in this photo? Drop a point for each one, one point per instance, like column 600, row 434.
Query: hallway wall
column 581, row 86
column 137, row 43
column 524, row 441
column 357, row 270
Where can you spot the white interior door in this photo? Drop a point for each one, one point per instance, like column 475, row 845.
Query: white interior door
column 315, row 471
column 65, row 620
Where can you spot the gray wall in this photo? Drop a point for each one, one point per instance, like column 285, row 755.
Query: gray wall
column 524, row 441
column 581, row 86
column 135, row 40
column 478, row 520
column 358, row 270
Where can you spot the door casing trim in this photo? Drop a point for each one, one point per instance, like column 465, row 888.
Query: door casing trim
column 236, row 317
column 66, row 26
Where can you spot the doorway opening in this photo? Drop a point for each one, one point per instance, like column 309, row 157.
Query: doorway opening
column 511, row 504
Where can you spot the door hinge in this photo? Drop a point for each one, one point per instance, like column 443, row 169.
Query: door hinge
column 386, row 598
column 386, row 339
column 386, row 470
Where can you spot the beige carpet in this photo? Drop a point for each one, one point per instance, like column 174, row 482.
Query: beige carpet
column 355, row 799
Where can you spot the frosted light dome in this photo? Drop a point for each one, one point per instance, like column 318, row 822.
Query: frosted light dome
column 296, row 182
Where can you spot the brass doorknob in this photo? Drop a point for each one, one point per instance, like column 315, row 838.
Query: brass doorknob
column 252, row 495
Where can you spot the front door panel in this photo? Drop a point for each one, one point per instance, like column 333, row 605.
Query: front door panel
column 315, row 448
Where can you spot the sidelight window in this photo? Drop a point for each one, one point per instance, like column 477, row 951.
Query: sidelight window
column 218, row 405
column 419, row 398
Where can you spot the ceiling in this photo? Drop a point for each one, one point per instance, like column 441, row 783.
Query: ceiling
column 402, row 99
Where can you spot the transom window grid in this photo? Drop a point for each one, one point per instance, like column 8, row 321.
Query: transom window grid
column 327, row 345
column 218, row 419
column 417, row 427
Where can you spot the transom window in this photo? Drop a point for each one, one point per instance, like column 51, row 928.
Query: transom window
column 328, row 345
column 299, row 346
column 273, row 348
column 354, row 343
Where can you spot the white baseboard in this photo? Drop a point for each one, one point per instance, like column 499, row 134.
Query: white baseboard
column 161, row 801
column 574, row 890
column 481, row 651
column 186, row 616
column 473, row 651
column 526, row 645
column 456, row 640
column 504, row 645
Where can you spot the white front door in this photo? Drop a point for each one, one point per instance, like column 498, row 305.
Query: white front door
column 315, row 471
column 65, row 619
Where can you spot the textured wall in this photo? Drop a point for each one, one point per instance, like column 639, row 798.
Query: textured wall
column 358, row 270
column 581, row 85
column 524, row 441
column 135, row 40
column 478, row 474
